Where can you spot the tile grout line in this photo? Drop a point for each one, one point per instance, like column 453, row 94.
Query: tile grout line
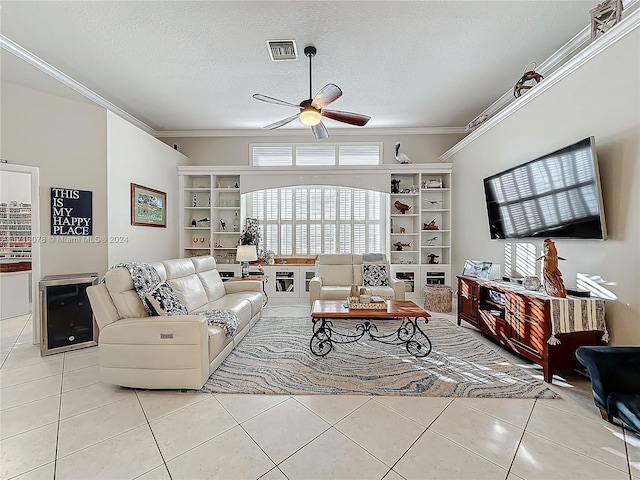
column 524, row 431
column 246, row 420
column 579, row 453
column 55, row 456
column 164, row 462
column 416, row 440
column 16, row 340
column 341, row 418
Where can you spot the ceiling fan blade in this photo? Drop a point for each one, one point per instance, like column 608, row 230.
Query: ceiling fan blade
column 326, row 95
column 320, row 131
column 282, row 122
column 264, row 98
column 347, row 117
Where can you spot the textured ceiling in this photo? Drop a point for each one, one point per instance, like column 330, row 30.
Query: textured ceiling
column 194, row 65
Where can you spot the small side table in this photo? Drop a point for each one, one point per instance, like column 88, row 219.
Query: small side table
column 260, row 278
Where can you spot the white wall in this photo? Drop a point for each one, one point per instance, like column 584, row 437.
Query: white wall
column 235, row 150
column 601, row 99
column 66, row 140
column 133, row 156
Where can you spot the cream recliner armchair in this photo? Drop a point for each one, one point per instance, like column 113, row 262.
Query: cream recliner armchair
column 337, row 272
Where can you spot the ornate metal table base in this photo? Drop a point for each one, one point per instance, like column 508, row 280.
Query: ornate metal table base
column 408, row 334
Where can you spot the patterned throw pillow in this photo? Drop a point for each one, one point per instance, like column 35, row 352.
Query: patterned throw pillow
column 374, row 275
column 162, row 300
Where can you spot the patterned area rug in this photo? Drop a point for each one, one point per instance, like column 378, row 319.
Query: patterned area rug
column 274, row 358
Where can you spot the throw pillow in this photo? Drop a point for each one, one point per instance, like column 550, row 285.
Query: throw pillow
column 162, row 300
column 374, row 275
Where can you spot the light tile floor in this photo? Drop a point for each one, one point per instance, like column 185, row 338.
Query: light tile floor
column 58, row 421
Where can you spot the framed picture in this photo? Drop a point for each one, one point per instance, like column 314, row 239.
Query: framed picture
column 148, row 206
column 475, row 268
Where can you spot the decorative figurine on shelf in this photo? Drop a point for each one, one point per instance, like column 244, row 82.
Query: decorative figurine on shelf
column 209, row 204
column 235, row 185
column 403, row 230
column 401, row 206
column 553, row 285
column 401, row 157
column 193, row 222
column 236, row 223
column 432, row 258
column 395, row 185
column 400, row 245
column 431, row 225
column 195, row 200
column 223, row 225
column 431, row 240
column 205, row 219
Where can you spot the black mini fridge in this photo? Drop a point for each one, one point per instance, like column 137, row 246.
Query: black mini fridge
column 66, row 315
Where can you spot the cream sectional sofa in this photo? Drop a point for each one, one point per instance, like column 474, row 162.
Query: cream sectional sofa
column 337, row 272
column 169, row 352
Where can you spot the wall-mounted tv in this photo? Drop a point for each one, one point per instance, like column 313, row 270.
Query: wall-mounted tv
column 554, row 196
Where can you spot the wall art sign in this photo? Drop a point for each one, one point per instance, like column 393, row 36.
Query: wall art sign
column 71, row 212
column 148, row 206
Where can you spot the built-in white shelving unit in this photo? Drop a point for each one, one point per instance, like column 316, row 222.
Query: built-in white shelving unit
column 419, row 239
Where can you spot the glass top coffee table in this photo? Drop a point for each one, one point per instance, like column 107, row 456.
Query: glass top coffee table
column 409, row 333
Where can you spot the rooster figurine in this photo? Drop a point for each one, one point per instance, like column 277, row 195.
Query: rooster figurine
column 401, row 206
column 553, row 284
column 401, row 157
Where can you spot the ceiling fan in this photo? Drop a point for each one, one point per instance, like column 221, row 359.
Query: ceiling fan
column 312, row 110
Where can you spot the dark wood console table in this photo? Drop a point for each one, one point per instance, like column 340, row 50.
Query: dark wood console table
column 521, row 321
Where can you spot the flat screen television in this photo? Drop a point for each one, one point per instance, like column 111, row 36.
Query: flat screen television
column 555, row 196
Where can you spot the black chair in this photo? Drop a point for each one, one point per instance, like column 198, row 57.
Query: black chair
column 615, row 381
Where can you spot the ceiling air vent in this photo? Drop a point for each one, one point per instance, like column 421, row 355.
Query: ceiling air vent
column 282, row 50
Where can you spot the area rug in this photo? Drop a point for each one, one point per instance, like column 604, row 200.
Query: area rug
column 274, row 358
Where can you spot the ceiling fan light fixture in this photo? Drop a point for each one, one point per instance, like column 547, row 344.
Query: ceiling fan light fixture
column 310, row 116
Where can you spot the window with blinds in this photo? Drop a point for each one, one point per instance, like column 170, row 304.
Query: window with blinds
column 306, row 155
column 308, row 220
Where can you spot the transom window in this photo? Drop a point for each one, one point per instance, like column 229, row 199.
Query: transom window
column 308, row 220
column 306, row 154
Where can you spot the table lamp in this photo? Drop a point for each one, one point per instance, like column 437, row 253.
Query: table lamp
column 246, row 254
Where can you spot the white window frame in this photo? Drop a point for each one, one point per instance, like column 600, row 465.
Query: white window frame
column 290, row 153
column 373, row 224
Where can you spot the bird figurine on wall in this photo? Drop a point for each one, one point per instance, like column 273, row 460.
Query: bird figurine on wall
column 553, row 284
column 401, row 206
column 401, row 157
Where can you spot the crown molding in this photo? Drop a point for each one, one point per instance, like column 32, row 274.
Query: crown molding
column 435, row 167
column 564, row 53
column 24, row 54
column 295, row 132
column 627, row 25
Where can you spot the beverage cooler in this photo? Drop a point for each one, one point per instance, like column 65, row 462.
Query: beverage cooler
column 66, row 315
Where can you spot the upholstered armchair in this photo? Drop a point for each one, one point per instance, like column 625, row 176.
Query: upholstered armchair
column 615, row 381
column 337, row 272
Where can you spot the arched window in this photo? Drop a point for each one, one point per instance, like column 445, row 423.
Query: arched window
column 308, row 220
